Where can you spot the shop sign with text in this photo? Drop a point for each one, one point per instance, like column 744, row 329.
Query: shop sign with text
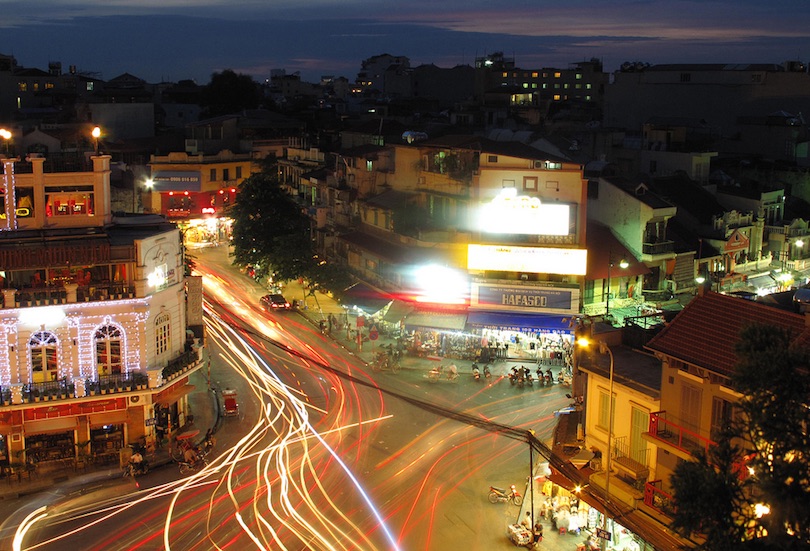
column 525, row 298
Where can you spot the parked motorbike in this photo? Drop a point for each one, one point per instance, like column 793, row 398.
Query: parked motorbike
column 487, row 374
column 136, row 468
column 499, row 495
column 527, row 376
column 476, row 374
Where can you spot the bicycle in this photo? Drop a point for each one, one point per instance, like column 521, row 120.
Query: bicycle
column 383, row 361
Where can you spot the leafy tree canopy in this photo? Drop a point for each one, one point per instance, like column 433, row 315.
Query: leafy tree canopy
column 712, row 498
column 272, row 234
column 228, row 93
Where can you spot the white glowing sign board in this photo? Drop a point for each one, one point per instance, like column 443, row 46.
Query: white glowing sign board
column 539, row 260
column 521, row 214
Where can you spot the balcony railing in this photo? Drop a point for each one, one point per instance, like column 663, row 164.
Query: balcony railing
column 677, row 436
column 48, row 296
column 67, row 389
column 658, row 499
column 664, row 247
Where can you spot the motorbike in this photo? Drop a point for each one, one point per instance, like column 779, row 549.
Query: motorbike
column 541, row 379
column 487, row 374
column 527, row 376
column 499, row 495
column 476, row 374
column 134, row 469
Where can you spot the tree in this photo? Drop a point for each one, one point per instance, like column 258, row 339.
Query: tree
column 773, row 377
column 228, row 93
column 269, row 230
column 712, row 497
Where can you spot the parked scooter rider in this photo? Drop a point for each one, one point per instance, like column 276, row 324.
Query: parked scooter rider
column 487, row 373
column 137, row 464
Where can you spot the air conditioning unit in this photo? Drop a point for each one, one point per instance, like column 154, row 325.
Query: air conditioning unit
column 135, row 400
column 539, row 164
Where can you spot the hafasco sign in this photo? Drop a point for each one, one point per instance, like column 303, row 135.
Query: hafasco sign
column 510, row 213
column 525, row 298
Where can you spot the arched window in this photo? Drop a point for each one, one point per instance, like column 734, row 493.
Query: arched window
column 162, row 333
column 44, row 366
column 108, row 341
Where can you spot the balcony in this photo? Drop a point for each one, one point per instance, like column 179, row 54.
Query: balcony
column 657, row 499
column 49, row 296
column 71, row 389
column 675, row 438
column 657, row 249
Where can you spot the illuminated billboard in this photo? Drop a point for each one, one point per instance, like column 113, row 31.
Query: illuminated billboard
column 538, row 260
column 535, row 299
column 510, row 213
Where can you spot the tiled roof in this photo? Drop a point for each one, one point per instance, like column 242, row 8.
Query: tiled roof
column 705, row 332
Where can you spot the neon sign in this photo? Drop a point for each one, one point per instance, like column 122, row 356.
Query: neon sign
column 510, row 213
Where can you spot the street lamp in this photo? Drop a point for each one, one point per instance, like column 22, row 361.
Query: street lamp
column 96, row 133
column 605, row 349
column 623, row 264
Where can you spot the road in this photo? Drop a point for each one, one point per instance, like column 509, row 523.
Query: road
column 325, row 454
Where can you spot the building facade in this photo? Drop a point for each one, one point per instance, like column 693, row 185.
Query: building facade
column 97, row 340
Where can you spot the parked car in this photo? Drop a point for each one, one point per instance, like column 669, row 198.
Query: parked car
column 275, row 301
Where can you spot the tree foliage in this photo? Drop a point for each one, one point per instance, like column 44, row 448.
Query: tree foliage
column 712, row 498
column 272, row 234
column 229, row 92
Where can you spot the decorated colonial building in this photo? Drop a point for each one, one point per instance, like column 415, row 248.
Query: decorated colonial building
column 99, row 327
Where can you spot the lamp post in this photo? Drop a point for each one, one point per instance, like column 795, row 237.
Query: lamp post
column 605, row 349
column 623, row 264
column 96, row 133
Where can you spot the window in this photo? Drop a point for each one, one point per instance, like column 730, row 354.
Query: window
column 238, row 172
column 639, row 424
column 530, row 183
column 534, row 74
column 22, row 86
column 162, row 333
column 578, row 76
column 508, row 183
column 44, row 365
column 653, row 167
column 108, row 341
column 603, row 421
column 686, row 77
column 69, row 200
column 492, row 158
column 369, row 165
column 721, row 415
column 557, row 74
column 534, row 85
column 566, row 86
column 756, row 78
column 213, row 175
column 89, row 86
column 690, row 407
column 226, row 174
column 24, row 199
column 588, row 85
column 545, row 86
column 556, row 85
column 556, row 97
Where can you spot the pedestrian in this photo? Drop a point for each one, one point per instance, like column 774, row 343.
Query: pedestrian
column 537, row 533
column 160, row 431
column 527, row 521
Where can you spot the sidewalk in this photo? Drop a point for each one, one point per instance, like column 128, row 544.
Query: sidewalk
column 205, row 406
column 319, row 306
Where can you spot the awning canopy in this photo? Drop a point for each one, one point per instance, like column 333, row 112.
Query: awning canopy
column 397, row 311
column 431, row 319
column 174, row 394
column 518, row 321
column 365, row 297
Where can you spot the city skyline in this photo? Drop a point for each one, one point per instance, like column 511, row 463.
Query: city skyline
column 173, row 40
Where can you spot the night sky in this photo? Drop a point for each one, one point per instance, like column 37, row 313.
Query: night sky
column 170, row 40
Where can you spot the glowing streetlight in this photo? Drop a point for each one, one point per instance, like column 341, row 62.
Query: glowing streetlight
column 6, row 135
column 96, row 133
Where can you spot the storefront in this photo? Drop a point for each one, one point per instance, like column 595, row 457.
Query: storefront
column 545, row 338
column 439, row 332
column 572, row 510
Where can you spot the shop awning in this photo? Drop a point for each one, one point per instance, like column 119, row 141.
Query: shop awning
column 109, row 418
column 59, row 424
column 516, row 321
column 397, row 311
column 173, row 395
column 431, row 319
column 365, row 297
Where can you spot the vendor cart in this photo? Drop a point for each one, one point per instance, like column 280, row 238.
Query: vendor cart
column 229, row 399
column 519, row 535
